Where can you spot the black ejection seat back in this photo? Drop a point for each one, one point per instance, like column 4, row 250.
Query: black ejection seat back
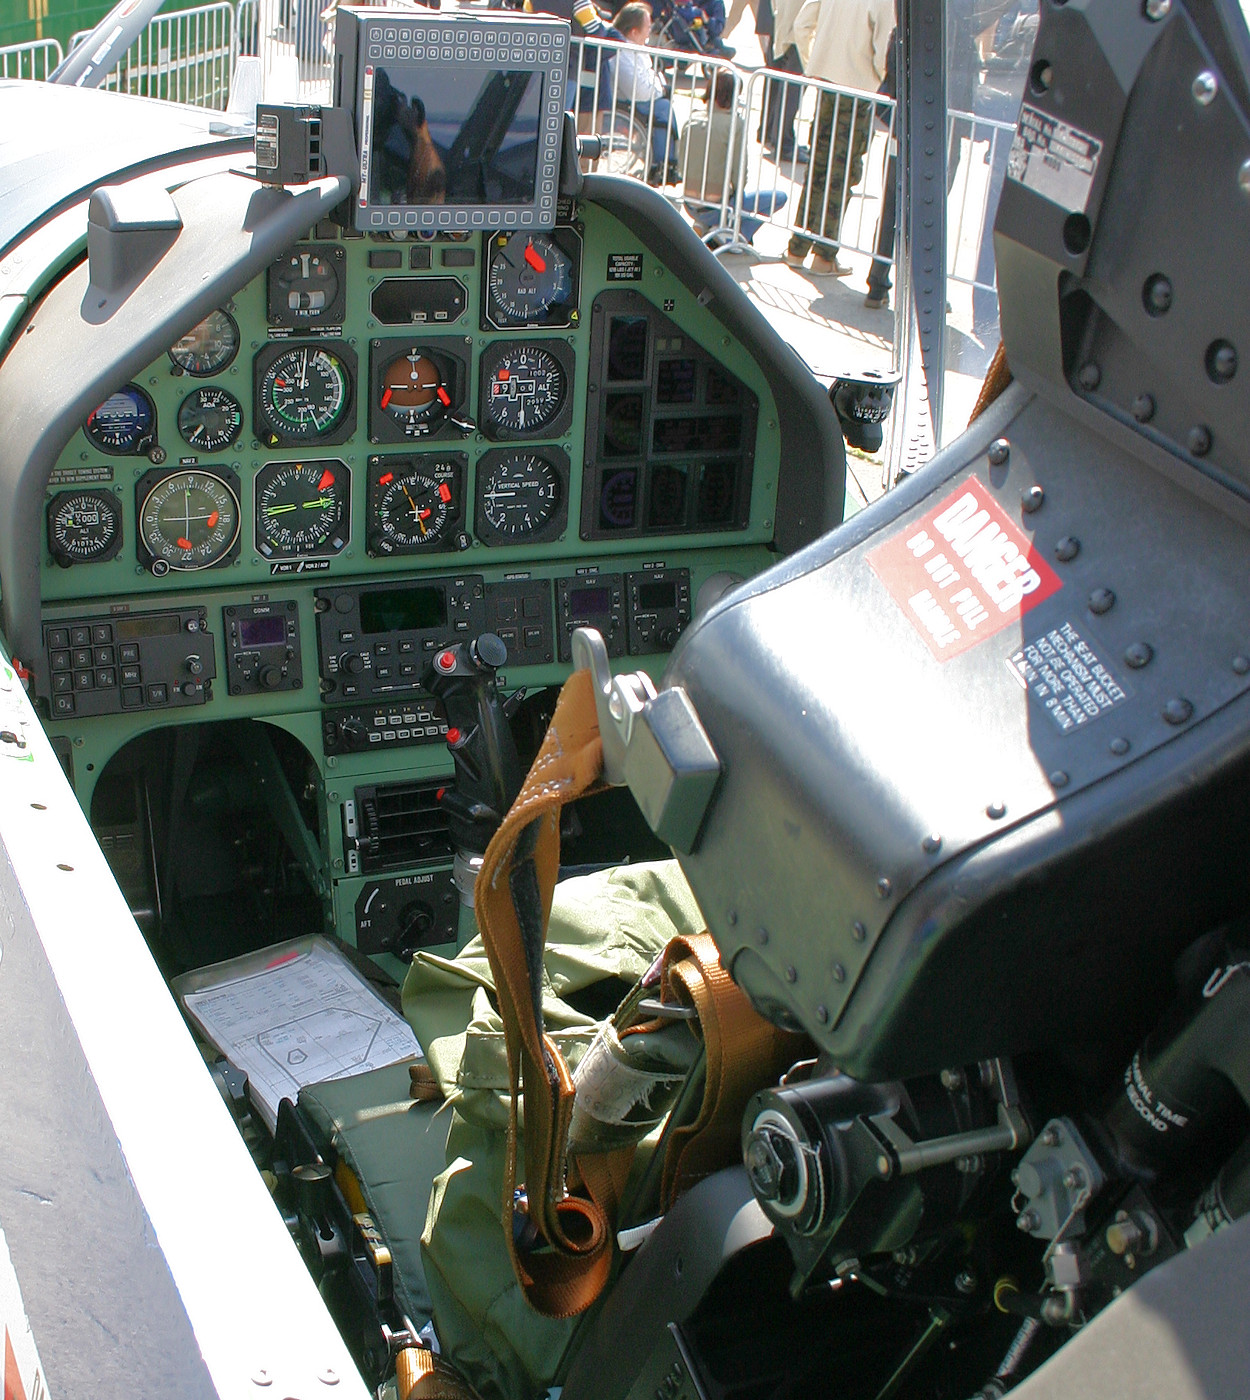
column 1003, row 711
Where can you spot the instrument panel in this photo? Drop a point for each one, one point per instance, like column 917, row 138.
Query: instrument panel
column 376, row 448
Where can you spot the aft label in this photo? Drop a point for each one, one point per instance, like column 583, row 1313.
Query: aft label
column 963, row 571
column 1061, row 671
column 1053, row 159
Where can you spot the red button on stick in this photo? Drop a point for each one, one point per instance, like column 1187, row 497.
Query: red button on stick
column 453, row 736
column 445, row 660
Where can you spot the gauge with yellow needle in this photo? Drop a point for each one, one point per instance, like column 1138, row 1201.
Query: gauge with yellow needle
column 415, row 504
column 303, row 509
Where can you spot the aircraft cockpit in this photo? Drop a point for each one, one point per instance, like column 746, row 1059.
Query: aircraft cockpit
column 505, row 893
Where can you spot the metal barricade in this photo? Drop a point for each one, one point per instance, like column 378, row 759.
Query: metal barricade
column 34, row 59
column 976, row 181
column 185, row 56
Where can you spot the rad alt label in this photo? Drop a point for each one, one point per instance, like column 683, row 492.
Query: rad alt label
column 963, row 571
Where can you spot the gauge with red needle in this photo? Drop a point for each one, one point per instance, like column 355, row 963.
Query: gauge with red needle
column 187, row 520
column 414, row 505
column 302, row 508
column 531, row 279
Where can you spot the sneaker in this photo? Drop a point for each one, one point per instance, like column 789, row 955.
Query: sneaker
column 877, row 301
column 802, row 156
column 825, row 267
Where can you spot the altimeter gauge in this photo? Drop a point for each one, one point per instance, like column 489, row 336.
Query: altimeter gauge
column 525, row 389
column 302, row 508
column 188, row 520
column 532, row 279
column 84, row 527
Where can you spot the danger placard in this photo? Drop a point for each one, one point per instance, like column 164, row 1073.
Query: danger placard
column 963, row 571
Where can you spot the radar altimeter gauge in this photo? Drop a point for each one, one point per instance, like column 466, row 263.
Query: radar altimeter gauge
column 307, row 288
column 417, row 391
column 302, row 508
column 532, row 279
column 210, row 419
column 415, row 504
column 207, row 348
column 188, row 520
column 525, row 389
column 84, row 527
column 124, row 424
column 522, row 496
column 303, row 393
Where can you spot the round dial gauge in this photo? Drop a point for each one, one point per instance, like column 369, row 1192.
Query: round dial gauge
column 305, row 287
column 526, row 389
column 209, row 347
column 302, row 508
column 413, row 507
column 84, row 527
column 124, row 424
column 304, row 393
column 413, row 393
column 520, row 494
column 188, row 520
column 528, row 274
column 210, row 419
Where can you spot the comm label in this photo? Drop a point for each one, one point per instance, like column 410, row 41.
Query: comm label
column 1053, row 159
column 963, row 571
column 1062, row 672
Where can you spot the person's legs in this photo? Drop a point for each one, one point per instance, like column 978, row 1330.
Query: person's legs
column 664, row 135
column 811, row 202
column 756, row 207
column 879, row 272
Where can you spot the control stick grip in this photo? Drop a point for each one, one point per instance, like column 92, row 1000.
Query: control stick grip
column 489, row 773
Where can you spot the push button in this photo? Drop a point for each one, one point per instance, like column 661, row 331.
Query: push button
column 82, row 656
column 60, row 661
column 158, row 695
column 62, row 682
column 132, row 675
column 80, row 636
column 128, row 651
column 104, row 656
column 58, row 637
column 83, row 680
column 62, row 704
column 105, row 678
column 132, row 697
column 101, row 633
column 532, row 607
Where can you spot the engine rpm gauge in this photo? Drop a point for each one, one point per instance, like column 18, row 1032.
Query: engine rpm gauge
column 84, row 527
column 124, row 424
column 303, row 394
column 524, row 389
column 302, row 508
column 187, row 520
column 521, row 496
column 531, row 279
column 414, row 504
column 207, row 348
column 210, row 419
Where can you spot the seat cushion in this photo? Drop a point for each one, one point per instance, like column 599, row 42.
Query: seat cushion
column 395, row 1147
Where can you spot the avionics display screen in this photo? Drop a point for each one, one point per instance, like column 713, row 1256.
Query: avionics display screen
column 135, row 629
column 653, row 596
column 586, row 601
column 402, row 610
column 262, row 631
column 459, row 117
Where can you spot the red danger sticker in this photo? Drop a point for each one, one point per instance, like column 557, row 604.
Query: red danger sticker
column 963, row 571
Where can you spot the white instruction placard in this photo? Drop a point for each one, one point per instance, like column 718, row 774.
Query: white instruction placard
column 296, row 1014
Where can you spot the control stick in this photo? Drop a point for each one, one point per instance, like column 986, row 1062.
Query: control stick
column 489, row 773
